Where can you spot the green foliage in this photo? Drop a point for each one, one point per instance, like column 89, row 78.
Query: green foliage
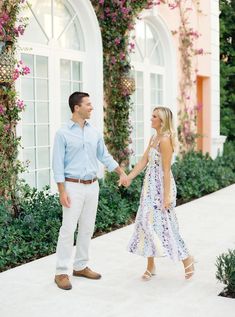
column 34, row 232
column 197, row 174
column 11, row 27
column 225, row 264
column 227, row 68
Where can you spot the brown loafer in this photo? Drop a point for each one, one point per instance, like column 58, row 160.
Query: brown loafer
column 88, row 273
column 62, row 281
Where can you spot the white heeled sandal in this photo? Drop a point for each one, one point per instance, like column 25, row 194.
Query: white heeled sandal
column 148, row 275
column 189, row 274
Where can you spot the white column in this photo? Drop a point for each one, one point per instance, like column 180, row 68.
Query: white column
column 217, row 140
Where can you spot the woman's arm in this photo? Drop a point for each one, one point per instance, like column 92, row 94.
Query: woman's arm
column 166, row 153
column 141, row 164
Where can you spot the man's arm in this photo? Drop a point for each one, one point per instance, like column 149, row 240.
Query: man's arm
column 107, row 159
column 58, row 168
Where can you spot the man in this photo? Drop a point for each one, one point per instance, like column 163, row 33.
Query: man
column 77, row 148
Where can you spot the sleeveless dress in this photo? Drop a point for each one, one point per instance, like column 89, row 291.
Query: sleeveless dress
column 156, row 231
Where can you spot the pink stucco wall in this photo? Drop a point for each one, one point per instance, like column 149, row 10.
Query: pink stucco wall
column 202, row 23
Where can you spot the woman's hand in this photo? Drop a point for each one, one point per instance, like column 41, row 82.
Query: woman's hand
column 166, row 203
column 125, row 181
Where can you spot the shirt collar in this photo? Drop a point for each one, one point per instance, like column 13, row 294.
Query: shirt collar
column 71, row 123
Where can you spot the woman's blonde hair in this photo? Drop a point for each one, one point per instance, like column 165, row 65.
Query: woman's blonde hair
column 167, row 124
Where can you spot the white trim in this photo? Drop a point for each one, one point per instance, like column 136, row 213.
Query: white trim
column 92, row 59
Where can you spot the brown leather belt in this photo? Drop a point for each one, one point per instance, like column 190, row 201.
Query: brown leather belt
column 82, row 181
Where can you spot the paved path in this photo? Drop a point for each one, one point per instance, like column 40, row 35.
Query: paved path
column 207, row 225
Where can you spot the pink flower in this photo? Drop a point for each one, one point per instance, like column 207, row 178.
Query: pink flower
column 132, row 46
column 117, row 41
column 20, row 104
column 1, row 110
column 101, row 2
column 122, row 56
column 113, row 60
column 172, row 6
column 26, row 70
column 7, row 127
column 199, row 51
column 16, row 74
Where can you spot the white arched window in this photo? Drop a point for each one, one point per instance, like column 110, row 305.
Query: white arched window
column 55, row 49
column 149, row 71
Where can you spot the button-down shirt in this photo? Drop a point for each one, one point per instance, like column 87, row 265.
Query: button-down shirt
column 76, row 152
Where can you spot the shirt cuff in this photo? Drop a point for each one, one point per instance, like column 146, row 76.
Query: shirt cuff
column 59, row 178
column 111, row 167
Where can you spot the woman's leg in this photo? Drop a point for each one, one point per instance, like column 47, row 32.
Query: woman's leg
column 150, row 269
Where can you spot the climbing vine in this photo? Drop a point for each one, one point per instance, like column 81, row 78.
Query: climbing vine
column 11, row 27
column 117, row 18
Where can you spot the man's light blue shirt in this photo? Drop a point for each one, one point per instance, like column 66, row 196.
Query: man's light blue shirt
column 76, row 152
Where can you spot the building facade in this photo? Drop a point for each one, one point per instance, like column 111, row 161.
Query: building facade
column 62, row 45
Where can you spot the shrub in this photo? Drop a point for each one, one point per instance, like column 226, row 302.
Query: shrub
column 225, row 264
column 34, row 232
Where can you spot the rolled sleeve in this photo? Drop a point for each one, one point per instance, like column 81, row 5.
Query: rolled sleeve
column 58, row 158
column 104, row 156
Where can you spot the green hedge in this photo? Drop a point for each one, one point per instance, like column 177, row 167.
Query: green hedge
column 34, row 233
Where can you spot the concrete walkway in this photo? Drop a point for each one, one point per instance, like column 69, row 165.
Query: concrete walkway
column 208, row 227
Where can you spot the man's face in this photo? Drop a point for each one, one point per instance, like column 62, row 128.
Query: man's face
column 85, row 108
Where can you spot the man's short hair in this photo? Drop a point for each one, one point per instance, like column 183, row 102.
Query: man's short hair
column 76, row 99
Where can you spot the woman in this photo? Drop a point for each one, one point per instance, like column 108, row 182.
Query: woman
column 156, row 230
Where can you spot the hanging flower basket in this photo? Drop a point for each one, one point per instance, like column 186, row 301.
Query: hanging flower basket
column 127, row 85
column 7, row 64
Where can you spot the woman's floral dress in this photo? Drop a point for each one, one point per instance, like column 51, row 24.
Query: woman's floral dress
column 156, row 231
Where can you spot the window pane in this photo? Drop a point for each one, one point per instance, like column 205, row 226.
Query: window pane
column 28, row 113
column 34, row 27
column 140, row 112
column 30, row 178
column 72, row 38
column 62, row 17
column 160, row 97
column 28, row 135
column 76, row 71
column 41, row 66
column 29, row 155
column 77, row 87
column 28, row 61
column 140, row 80
column 43, row 155
column 42, row 135
column 65, row 113
column 42, row 109
column 140, row 129
column 140, row 99
column 140, row 147
column 27, row 89
column 41, row 89
column 65, row 90
column 65, row 70
column 43, row 178
column 159, row 81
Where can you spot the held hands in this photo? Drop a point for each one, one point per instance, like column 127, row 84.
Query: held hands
column 64, row 199
column 124, row 180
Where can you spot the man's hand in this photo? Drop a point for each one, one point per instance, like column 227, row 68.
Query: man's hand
column 124, row 181
column 64, row 199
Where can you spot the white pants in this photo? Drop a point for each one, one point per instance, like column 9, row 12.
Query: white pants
column 82, row 212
